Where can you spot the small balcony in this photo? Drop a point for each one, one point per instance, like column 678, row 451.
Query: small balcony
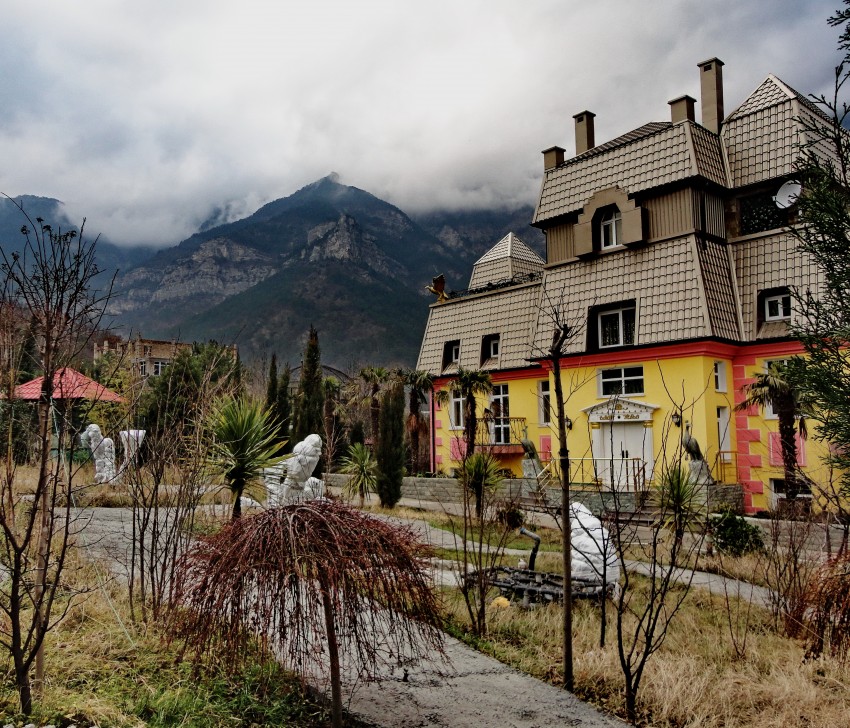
column 500, row 435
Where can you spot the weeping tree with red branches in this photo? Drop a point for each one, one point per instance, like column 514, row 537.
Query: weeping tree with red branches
column 304, row 581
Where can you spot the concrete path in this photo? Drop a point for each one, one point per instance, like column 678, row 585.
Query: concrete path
column 472, row 690
column 475, row 690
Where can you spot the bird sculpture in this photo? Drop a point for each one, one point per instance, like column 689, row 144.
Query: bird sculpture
column 690, row 444
column 438, row 288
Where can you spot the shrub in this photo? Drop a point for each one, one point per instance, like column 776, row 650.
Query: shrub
column 734, row 536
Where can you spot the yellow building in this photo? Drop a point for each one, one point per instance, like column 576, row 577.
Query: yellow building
column 667, row 251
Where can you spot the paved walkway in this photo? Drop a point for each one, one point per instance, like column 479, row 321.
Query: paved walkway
column 473, row 690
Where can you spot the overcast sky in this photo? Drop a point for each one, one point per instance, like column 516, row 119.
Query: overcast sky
column 144, row 116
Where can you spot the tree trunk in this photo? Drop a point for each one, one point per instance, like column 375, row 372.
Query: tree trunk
column 788, row 443
column 333, row 658
column 470, row 424
column 237, row 504
column 564, row 464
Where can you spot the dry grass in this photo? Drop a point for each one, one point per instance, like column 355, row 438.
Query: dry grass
column 694, row 680
column 103, row 670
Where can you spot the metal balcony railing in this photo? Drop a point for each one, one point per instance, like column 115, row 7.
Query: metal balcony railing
column 500, row 434
column 627, row 475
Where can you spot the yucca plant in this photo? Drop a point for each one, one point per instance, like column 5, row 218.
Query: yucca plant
column 244, row 443
column 363, row 469
column 480, row 473
column 679, row 501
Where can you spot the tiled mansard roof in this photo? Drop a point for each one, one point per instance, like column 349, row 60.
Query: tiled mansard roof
column 683, row 288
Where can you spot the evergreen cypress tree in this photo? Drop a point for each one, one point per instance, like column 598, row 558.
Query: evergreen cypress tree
column 389, row 450
column 311, row 397
column 283, row 408
column 271, row 388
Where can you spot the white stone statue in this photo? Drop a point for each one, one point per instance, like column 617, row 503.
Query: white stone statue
column 593, row 553
column 296, row 472
column 130, row 442
column 274, row 478
column 102, row 452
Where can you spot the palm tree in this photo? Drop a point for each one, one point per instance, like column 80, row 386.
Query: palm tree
column 244, row 443
column 773, row 388
column 468, row 383
column 375, row 377
column 360, row 464
column 420, row 384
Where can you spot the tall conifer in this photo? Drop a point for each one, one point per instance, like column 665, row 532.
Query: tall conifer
column 271, row 387
column 311, row 399
column 283, row 408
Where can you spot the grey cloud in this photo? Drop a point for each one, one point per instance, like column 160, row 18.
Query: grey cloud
column 147, row 117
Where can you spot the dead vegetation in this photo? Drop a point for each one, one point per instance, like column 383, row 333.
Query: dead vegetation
column 695, row 679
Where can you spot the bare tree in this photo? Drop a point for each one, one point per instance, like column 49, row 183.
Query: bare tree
column 166, row 486
column 667, row 549
column 307, row 580
column 53, row 282
column 564, row 331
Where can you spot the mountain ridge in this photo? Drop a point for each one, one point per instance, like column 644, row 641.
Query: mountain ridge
column 330, row 255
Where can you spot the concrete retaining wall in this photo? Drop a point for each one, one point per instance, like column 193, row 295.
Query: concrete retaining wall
column 446, row 490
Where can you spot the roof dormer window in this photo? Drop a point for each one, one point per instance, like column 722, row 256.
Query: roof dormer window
column 451, row 353
column 610, row 228
column 489, row 347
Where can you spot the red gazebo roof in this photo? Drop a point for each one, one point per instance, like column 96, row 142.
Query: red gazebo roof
column 68, row 384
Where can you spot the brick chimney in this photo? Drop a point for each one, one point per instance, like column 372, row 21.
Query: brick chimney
column 682, row 109
column 585, row 138
column 711, row 91
column 552, row 157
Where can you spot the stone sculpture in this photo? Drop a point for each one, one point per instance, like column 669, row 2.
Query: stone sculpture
column 102, row 452
column 593, row 553
column 130, row 442
column 699, row 472
column 291, row 481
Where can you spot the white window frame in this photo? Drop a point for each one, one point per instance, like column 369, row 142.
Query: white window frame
column 501, row 426
column 544, row 400
column 620, row 326
column 159, row 367
column 456, row 411
column 724, row 433
column 454, row 353
column 494, row 347
column 610, row 229
column 720, row 376
column 143, row 368
column 622, row 379
column 783, row 306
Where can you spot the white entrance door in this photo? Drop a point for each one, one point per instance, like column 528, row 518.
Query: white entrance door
column 625, row 449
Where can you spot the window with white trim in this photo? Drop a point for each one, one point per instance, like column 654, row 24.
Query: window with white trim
column 456, row 411
column 610, row 228
column 720, row 376
column 780, row 490
column 778, row 307
column 621, row 380
column 544, row 399
column 159, row 367
column 616, row 327
column 451, row 353
column 143, row 368
column 724, row 434
column 501, row 412
column 489, row 347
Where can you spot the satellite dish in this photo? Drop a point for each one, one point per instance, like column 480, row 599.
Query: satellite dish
column 788, row 194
